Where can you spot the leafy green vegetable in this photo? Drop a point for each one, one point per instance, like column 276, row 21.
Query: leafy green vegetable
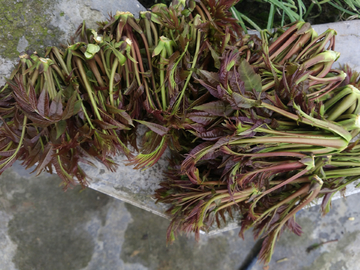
column 257, row 128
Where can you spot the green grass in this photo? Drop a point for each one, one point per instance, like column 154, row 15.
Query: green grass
column 261, row 14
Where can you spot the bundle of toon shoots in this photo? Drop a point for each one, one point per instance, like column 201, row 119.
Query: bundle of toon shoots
column 257, row 127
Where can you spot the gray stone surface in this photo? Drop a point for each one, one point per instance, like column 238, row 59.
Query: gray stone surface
column 44, row 228
column 347, row 41
column 342, row 224
column 36, row 24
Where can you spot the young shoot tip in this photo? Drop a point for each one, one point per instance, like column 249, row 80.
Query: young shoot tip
column 128, row 41
column 119, row 13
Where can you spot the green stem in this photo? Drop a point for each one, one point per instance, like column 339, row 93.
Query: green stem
column 20, row 144
column 238, row 17
column 85, row 113
column 196, row 55
column 271, row 17
column 162, row 79
column 301, row 191
column 60, row 59
column 334, row 142
column 154, row 30
column 342, row 172
column 306, row 119
column 68, row 60
column 104, row 63
column 87, row 86
column 95, row 71
column 62, row 168
column 111, row 81
column 50, row 83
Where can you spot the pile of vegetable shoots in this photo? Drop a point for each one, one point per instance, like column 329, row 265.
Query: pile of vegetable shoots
column 258, row 127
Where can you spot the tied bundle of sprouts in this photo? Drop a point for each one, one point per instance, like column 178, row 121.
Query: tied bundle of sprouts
column 257, row 127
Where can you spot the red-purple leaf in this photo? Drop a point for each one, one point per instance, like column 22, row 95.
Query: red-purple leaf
column 45, row 158
column 38, row 120
column 158, row 129
column 70, row 107
column 56, row 107
column 7, row 153
column 43, row 103
column 9, row 132
column 103, row 124
column 202, row 118
column 107, row 118
column 213, row 90
column 122, row 113
column 32, row 97
column 218, row 108
column 196, row 153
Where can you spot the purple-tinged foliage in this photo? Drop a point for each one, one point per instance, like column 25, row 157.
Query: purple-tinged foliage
column 257, row 128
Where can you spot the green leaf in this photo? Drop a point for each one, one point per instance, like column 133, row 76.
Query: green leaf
column 215, row 56
column 91, row 50
column 218, row 108
column 77, row 106
column 158, row 49
column 118, row 54
column 243, row 102
column 60, row 128
column 249, row 77
column 76, row 46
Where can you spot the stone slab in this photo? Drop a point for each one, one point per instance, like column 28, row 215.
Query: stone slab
column 44, row 228
column 339, row 229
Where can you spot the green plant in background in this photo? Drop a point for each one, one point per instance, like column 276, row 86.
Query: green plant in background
column 288, row 11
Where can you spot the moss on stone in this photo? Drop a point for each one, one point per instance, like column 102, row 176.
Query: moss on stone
column 29, row 19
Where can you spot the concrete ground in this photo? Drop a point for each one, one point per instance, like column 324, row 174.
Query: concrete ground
column 44, row 228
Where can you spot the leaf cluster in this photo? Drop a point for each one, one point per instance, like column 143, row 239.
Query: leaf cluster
column 257, row 128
